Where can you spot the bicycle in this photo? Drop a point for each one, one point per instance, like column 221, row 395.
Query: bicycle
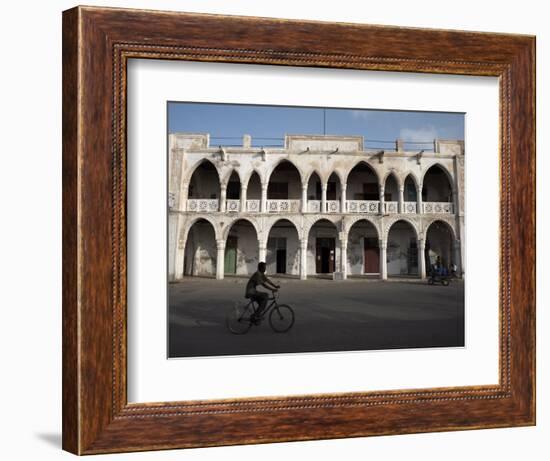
column 242, row 316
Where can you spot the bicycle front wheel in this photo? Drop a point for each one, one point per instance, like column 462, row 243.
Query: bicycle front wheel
column 238, row 319
column 281, row 318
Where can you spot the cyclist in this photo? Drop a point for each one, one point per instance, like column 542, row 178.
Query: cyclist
column 259, row 278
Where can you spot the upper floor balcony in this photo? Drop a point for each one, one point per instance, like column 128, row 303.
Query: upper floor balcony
column 297, row 179
column 283, row 206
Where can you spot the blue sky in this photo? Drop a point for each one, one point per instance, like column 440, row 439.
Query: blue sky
column 267, row 125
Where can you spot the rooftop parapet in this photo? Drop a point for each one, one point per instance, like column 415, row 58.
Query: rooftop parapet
column 316, row 143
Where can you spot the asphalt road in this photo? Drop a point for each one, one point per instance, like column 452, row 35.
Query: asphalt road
column 330, row 316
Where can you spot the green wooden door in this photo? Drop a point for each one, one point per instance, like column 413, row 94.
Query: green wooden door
column 231, row 255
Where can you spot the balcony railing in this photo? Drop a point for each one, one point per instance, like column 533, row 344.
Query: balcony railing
column 283, row 206
column 314, row 206
column 363, row 206
column 253, row 206
column 332, row 206
column 233, row 206
column 438, row 207
column 391, row 207
column 409, row 207
column 202, row 205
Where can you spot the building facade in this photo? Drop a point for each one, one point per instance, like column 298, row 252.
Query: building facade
column 316, row 205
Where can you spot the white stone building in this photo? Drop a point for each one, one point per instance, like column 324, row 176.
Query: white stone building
column 318, row 205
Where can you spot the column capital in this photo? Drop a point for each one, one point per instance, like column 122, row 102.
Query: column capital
column 220, row 244
column 383, row 244
column 304, row 186
column 421, row 243
column 303, row 243
column 223, row 186
column 181, row 244
column 262, row 243
column 264, row 186
column 244, row 186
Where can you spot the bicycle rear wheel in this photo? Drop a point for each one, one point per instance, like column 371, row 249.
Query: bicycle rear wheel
column 238, row 319
column 281, row 318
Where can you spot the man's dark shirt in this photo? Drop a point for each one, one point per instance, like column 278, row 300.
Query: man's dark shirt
column 257, row 278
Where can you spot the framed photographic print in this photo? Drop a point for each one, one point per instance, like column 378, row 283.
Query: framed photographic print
column 282, row 230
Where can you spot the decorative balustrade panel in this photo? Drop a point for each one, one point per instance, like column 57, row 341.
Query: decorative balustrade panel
column 283, row 206
column 314, row 206
column 203, row 205
column 437, row 207
column 391, row 207
column 363, row 206
column 171, row 199
column 333, row 206
column 253, row 206
column 409, row 207
column 233, row 205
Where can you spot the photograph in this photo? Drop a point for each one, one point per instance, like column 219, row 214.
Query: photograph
column 297, row 229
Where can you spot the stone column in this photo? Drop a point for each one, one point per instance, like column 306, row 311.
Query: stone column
column 323, row 198
column 382, row 244
column 179, row 260
column 419, row 199
column 382, row 206
column 421, row 258
column 401, row 199
column 344, row 256
column 263, row 203
column 304, row 198
column 343, row 207
column 220, row 259
column 262, row 251
column 243, row 198
column 457, row 256
column 303, row 259
column 223, row 197
column 184, row 196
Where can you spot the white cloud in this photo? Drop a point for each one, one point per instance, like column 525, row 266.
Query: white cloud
column 424, row 134
column 361, row 115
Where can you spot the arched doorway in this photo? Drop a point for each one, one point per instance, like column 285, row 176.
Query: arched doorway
column 241, row 249
column 314, row 193
column 323, row 248
column 283, row 249
column 233, row 193
column 362, row 183
column 436, row 186
column 402, row 249
column 391, row 194
column 439, row 244
column 284, row 191
column 254, row 193
column 334, row 192
column 363, row 249
column 410, row 195
column 200, row 250
column 204, row 188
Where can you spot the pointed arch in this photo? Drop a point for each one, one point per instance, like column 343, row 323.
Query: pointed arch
column 362, row 182
column 278, row 163
column 209, row 186
column 200, row 251
column 284, row 181
column 433, row 188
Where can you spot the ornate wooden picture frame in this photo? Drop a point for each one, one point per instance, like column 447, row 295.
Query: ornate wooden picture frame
column 97, row 44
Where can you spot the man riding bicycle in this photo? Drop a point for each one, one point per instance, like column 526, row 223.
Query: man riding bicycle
column 259, row 278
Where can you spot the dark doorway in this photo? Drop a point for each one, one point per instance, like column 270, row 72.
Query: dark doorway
column 325, row 255
column 281, row 261
column 231, row 255
column 372, row 256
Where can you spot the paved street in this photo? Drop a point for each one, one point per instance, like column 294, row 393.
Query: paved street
column 356, row 314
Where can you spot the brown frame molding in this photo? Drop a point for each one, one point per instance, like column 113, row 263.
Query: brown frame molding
column 97, row 43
